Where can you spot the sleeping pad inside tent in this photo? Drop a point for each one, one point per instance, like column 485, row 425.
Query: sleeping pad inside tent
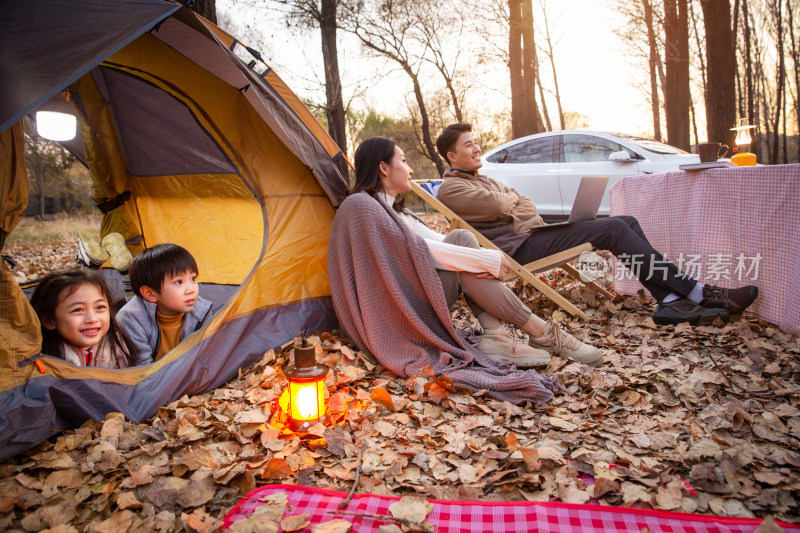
column 189, row 140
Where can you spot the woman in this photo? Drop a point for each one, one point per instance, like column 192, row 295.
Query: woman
column 389, row 298
column 382, row 171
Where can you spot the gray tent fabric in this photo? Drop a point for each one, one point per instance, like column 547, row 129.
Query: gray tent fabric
column 47, row 44
column 390, row 301
column 46, row 405
column 149, row 113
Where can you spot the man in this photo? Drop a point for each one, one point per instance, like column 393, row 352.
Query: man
column 510, row 221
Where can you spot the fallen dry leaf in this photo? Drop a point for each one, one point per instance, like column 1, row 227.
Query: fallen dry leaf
column 670, row 497
column 201, row 522
column 389, row 528
column 411, row 508
column 254, row 525
column 338, row 525
column 380, row 396
column 272, row 508
column 768, row 525
column 295, row 522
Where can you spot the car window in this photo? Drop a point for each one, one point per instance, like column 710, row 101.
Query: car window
column 657, row 147
column 543, row 150
column 589, row 148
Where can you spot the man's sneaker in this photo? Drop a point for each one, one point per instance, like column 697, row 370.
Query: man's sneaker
column 498, row 345
column 684, row 310
column 121, row 257
column 90, row 252
column 555, row 338
column 734, row 300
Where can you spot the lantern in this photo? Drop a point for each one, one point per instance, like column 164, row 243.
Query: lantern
column 743, row 158
column 306, row 388
column 56, row 126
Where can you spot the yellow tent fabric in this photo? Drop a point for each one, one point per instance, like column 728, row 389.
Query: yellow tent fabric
column 13, row 180
column 20, row 334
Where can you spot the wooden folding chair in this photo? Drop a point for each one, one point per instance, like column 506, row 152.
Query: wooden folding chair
column 427, row 191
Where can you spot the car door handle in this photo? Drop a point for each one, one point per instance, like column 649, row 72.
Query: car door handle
column 647, row 172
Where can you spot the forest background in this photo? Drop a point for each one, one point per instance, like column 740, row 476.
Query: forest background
column 679, row 71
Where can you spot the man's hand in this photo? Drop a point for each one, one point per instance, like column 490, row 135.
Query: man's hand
column 504, row 268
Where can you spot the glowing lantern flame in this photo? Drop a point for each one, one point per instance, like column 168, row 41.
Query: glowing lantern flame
column 743, row 137
column 307, row 401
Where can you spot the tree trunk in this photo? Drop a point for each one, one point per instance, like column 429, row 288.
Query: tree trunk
column 551, row 56
column 454, row 99
column 525, row 118
column 796, row 63
column 530, row 66
column 515, row 66
column 740, row 99
column 752, row 70
column 721, row 61
column 767, row 138
column 204, row 8
column 676, row 91
column 655, row 101
column 334, row 108
column 426, row 124
column 748, row 65
column 699, row 48
column 547, row 124
column 778, row 19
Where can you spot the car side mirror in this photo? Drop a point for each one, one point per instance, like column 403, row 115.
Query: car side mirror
column 501, row 156
column 622, row 156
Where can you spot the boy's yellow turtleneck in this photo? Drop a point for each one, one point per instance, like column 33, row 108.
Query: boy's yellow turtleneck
column 170, row 326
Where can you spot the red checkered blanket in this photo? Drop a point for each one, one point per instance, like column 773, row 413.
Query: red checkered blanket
column 475, row 517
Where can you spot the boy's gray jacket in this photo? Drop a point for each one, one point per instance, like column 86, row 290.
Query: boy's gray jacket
column 138, row 319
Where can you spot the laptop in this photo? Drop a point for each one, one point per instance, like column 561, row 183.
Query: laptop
column 587, row 200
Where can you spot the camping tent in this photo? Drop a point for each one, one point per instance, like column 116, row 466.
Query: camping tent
column 191, row 140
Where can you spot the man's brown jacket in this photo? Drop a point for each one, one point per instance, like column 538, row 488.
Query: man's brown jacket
column 500, row 213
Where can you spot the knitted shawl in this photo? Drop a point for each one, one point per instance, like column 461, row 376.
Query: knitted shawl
column 390, row 301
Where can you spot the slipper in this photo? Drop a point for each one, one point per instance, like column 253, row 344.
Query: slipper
column 121, row 257
column 90, row 252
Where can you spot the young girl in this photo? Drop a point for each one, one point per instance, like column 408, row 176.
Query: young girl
column 78, row 323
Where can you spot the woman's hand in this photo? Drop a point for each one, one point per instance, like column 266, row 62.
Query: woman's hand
column 504, row 268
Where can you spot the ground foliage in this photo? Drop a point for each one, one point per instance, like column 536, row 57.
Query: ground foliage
column 34, row 260
column 686, row 419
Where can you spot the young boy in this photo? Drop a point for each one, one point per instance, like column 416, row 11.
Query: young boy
column 167, row 307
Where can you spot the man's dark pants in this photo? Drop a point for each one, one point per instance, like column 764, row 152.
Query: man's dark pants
column 624, row 238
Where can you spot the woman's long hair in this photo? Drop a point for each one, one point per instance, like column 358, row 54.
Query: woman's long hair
column 369, row 155
column 48, row 295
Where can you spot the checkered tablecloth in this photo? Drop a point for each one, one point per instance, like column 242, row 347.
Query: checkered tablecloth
column 479, row 517
column 728, row 227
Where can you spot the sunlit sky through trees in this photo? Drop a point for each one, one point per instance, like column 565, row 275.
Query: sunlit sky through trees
column 597, row 77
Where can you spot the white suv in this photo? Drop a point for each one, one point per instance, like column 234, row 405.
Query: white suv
column 547, row 167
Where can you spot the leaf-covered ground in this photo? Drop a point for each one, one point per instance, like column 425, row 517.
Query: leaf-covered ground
column 678, row 418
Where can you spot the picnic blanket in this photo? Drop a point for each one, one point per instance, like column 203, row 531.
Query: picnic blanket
column 479, row 516
column 389, row 299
